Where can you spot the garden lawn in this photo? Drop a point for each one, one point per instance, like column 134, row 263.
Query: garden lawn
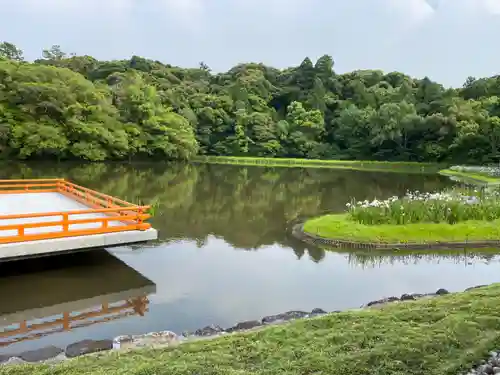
column 438, row 336
column 473, row 177
column 339, row 227
column 362, row 165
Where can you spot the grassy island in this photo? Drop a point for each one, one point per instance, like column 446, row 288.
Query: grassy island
column 340, row 227
column 361, row 165
column 451, row 217
column 445, row 335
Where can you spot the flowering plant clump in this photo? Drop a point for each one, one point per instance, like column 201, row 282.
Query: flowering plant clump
column 491, row 171
column 446, row 207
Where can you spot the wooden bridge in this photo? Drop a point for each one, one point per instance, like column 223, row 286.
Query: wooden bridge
column 50, row 216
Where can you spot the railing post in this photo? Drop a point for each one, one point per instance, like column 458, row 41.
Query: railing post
column 139, row 216
column 65, row 222
column 66, row 319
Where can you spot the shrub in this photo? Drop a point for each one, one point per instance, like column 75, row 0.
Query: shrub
column 446, row 207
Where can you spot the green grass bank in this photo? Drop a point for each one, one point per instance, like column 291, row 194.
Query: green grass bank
column 338, row 226
column 438, row 336
column 376, row 166
column 475, row 178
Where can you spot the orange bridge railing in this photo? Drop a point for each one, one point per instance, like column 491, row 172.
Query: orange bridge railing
column 105, row 214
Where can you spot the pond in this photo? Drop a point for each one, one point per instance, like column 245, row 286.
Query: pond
column 224, row 254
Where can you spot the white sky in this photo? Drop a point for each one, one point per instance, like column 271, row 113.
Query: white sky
column 447, row 40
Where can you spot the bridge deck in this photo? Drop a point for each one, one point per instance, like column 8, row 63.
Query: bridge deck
column 42, row 217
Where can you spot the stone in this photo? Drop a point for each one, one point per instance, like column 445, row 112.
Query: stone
column 407, row 297
column 244, row 326
column 5, row 357
column 496, row 370
column 119, row 341
column 88, row 346
column 162, row 335
column 187, row 334
column 209, row 330
column 441, row 292
column 57, row 359
column 382, row 301
column 40, row 354
column 475, row 287
column 318, row 311
column 487, row 369
column 289, row 315
column 161, row 338
column 14, row 361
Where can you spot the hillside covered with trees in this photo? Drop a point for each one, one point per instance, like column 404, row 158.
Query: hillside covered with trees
column 66, row 106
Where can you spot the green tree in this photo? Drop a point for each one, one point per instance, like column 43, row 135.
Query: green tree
column 9, row 51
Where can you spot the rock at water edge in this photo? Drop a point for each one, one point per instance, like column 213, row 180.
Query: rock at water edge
column 40, row 354
column 88, row 346
column 442, row 292
column 210, row 330
column 242, row 326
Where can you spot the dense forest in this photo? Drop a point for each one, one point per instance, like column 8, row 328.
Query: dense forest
column 64, row 106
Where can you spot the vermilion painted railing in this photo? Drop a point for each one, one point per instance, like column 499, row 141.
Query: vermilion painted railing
column 68, row 321
column 114, row 215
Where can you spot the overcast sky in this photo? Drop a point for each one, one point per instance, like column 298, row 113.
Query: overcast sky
column 446, row 40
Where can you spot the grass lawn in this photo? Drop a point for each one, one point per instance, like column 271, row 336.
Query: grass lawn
column 439, row 336
column 341, row 228
column 363, row 165
column 472, row 177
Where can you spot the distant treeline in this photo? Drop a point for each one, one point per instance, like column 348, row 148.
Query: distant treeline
column 76, row 107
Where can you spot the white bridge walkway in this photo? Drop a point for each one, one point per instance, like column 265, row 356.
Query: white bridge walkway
column 45, row 217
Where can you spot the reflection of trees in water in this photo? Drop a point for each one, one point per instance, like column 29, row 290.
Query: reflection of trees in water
column 465, row 257
column 249, row 207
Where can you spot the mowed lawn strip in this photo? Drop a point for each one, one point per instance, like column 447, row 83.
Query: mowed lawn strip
column 361, row 165
column 341, row 228
column 437, row 336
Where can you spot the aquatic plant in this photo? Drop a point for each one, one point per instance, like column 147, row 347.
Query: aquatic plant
column 450, row 207
column 154, row 207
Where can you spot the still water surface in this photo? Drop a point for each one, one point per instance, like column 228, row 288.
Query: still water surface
column 224, row 254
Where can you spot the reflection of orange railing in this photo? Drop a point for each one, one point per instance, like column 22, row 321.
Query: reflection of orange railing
column 116, row 215
column 30, row 331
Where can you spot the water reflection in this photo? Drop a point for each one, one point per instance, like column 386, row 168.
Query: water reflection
column 465, row 257
column 225, row 253
column 47, row 296
column 249, row 207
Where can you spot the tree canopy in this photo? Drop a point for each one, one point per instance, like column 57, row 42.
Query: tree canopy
column 65, row 106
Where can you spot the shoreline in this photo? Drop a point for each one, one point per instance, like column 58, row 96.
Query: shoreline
column 352, row 235
column 358, row 165
column 299, row 233
column 51, row 355
column 380, row 331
